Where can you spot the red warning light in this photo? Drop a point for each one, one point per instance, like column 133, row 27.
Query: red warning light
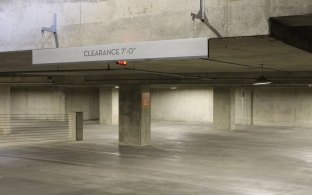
column 122, row 63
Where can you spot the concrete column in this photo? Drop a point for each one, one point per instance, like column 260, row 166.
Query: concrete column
column 134, row 115
column 75, row 126
column 109, row 106
column 223, row 108
column 5, row 110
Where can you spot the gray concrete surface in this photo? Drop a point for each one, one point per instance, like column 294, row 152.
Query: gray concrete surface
column 283, row 106
column 278, row 106
column 197, row 104
column 82, row 22
column 55, row 100
column 134, row 115
column 287, row 29
column 37, row 100
column 32, row 129
column 184, row 158
column 109, row 106
column 83, row 99
column 223, row 108
column 5, row 103
column 244, row 104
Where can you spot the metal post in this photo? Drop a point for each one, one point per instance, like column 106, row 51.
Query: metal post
column 79, row 126
column 202, row 8
column 72, row 126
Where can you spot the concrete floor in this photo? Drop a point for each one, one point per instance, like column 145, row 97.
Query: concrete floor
column 183, row 159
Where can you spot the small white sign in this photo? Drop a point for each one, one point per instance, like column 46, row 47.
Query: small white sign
column 153, row 50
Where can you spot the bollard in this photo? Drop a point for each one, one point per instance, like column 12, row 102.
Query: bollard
column 75, row 131
column 79, row 126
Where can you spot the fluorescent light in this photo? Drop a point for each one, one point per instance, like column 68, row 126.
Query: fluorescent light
column 262, row 81
column 173, row 88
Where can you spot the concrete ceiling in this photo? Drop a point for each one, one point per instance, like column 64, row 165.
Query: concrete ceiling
column 254, row 51
column 226, row 55
column 238, row 59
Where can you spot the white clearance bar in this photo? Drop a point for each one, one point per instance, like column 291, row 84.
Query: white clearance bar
column 153, row 50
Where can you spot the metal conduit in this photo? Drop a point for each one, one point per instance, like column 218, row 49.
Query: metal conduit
column 202, row 10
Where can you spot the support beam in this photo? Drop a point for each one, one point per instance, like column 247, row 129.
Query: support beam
column 108, row 106
column 293, row 30
column 5, row 110
column 223, row 108
column 134, row 115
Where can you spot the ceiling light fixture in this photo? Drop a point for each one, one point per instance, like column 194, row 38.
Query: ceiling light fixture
column 262, row 80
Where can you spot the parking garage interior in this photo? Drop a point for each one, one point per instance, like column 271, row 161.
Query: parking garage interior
column 223, row 105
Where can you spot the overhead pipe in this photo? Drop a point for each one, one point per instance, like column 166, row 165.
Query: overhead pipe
column 201, row 15
column 202, row 9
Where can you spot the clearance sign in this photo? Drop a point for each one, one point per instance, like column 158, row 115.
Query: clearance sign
column 152, row 50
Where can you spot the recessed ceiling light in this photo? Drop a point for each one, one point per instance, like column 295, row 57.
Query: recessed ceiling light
column 173, row 88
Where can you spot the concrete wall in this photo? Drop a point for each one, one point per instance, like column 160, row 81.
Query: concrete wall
column 5, row 102
column 86, row 100
column 55, row 100
column 190, row 105
column 115, row 107
column 109, row 106
column 273, row 106
column 243, row 106
column 269, row 106
column 223, row 108
column 37, row 100
column 253, row 106
column 283, row 106
column 85, row 22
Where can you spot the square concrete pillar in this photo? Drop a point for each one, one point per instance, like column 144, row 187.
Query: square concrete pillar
column 75, row 126
column 223, row 108
column 5, row 110
column 134, row 115
column 109, row 106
